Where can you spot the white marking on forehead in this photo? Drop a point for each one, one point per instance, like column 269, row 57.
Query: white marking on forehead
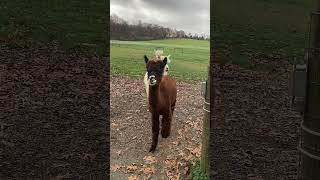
column 158, row 54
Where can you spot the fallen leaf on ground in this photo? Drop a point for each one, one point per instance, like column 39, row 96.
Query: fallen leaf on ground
column 182, row 154
column 196, row 152
column 186, row 171
column 133, row 177
column 188, row 158
column 175, row 143
column 150, row 159
column 149, row 170
column 132, row 168
column 114, row 168
column 147, row 178
column 177, row 171
column 170, row 162
column 172, row 175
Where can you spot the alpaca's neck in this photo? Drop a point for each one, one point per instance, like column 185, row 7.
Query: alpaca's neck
column 153, row 95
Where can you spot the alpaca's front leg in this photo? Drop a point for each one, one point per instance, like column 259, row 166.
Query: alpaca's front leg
column 155, row 131
column 166, row 126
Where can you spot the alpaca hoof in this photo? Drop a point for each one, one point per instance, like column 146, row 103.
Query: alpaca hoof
column 152, row 149
column 165, row 135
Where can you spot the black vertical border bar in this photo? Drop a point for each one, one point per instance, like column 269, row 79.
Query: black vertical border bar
column 212, row 91
column 108, row 85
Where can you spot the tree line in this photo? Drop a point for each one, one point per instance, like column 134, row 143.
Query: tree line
column 122, row 30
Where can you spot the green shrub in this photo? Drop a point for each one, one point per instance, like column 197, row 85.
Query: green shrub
column 196, row 172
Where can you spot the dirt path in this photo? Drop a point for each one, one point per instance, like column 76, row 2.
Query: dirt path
column 131, row 132
column 255, row 134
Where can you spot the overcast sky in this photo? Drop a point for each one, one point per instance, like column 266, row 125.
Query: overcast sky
column 188, row 15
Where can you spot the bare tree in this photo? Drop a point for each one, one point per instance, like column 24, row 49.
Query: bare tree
column 122, row 30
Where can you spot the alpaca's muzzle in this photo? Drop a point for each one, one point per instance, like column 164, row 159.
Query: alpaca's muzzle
column 152, row 80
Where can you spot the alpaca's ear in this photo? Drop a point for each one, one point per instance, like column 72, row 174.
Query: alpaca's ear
column 168, row 57
column 146, row 59
column 165, row 61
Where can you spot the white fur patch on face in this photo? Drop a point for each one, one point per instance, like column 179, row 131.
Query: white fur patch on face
column 146, row 83
column 152, row 80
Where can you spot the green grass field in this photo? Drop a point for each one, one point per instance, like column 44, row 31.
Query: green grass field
column 243, row 29
column 189, row 58
column 67, row 22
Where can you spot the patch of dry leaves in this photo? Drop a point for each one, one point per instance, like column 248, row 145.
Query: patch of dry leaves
column 185, row 145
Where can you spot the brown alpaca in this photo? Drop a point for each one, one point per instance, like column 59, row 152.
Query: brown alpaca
column 162, row 99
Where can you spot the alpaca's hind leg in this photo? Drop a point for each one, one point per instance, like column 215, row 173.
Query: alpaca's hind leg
column 166, row 126
column 172, row 107
column 166, row 123
column 155, row 132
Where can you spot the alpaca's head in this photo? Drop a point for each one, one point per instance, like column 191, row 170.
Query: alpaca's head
column 155, row 69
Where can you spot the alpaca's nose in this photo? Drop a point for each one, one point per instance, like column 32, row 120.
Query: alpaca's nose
column 152, row 79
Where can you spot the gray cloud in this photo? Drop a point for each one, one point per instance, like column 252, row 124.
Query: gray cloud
column 188, row 15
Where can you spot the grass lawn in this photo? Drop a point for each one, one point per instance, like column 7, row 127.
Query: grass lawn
column 69, row 23
column 243, row 29
column 190, row 58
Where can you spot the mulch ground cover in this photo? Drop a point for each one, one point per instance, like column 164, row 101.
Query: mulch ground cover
column 255, row 135
column 53, row 113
